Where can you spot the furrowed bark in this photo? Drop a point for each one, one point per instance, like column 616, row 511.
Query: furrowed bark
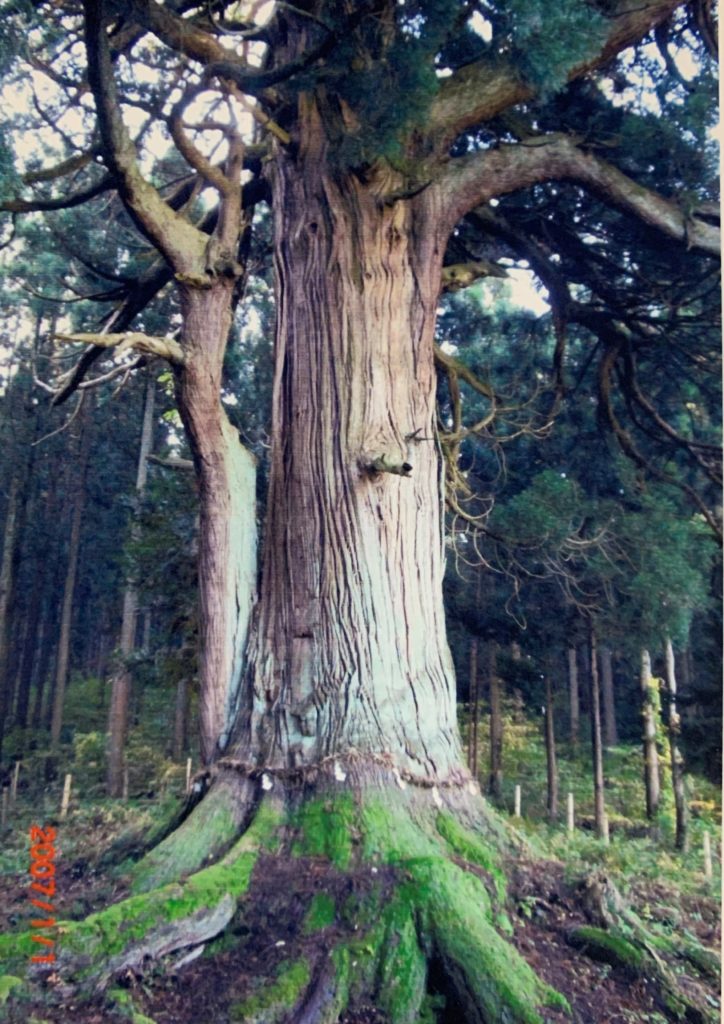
column 348, row 654
column 226, row 472
column 121, row 684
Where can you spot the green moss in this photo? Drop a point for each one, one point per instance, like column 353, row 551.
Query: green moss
column 325, row 828
column 403, row 972
column 469, row 846
column 321, row 913
column 210, row 827
column 486, row 971
column 391, row 836
column 609, row 947
column 275, row 1000
column 7, row 983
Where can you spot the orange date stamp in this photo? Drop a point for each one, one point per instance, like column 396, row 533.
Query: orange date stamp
column 42, row 890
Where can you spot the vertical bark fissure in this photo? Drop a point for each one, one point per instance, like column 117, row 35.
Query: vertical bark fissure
column 122, row 680
column 349, row 653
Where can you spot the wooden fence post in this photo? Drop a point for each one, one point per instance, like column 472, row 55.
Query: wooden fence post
column 66, row 796
column 571, row 816
column 516, row 811
column 14, row 786
column 188, row 775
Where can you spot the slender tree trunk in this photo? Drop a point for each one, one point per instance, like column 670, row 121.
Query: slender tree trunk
column 650, row 701
column 495, row 781
column 42, row 666
column 122, row 679
column 574, row 705
column 610, row 729
column 596, row 744
column 226, row 472
column 677, row 760
column 7, row 567
column 348, row 657
column 63, row 651
column 550, row 744
column 180, row 719
column 474, row 708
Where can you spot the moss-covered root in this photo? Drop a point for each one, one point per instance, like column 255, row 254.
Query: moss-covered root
column 209, row 830
column 176, row 916
column 638, row 957
column 488, row 978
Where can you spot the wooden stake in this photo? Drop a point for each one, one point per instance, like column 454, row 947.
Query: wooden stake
column 516, row 812
column 188, row 775
column 125, row 783
column 66, row 796
column 708, row 872
column 571, row 816
column 4, row 811
column 606, row 836
column 14, row 786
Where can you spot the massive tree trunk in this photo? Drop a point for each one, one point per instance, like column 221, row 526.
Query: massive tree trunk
column 226, row 473
column 121, row 685
column 348, row 658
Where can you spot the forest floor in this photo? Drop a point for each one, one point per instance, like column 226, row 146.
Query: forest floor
column 667, row 890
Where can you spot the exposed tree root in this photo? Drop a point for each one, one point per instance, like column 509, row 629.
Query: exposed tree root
column 377, row 890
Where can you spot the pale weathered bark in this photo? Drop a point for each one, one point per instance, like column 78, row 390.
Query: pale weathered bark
column 650, row 711
column 599, row 802
column 573, row 698
column 122, row 680
column 495, row 777
column 610, row 729
column 66, row 614
column 677, row 760
column 348, row 656
column 550, row 745
column 226, row 473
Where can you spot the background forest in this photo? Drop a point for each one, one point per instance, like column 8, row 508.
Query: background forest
column 578, row 368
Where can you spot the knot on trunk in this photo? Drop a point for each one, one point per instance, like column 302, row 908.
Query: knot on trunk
column 390, row 462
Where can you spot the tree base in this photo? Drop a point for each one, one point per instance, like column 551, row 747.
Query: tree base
column 386, row 895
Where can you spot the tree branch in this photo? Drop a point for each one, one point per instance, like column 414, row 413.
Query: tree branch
column 165, row 348
column 471, row 180
column 482, row 90
column 182, row 244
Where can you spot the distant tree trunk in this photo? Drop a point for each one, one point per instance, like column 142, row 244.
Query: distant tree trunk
column 574, row 704
column 495, row 782
column 7, row 566
column 650, row 700
column 180, row 719
column 550, row 744
column 596, row 743
column 677, row 761
column 474, row 697
column 63, row 651
column 41, row 665
column 610, row 730
column 121, row 685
